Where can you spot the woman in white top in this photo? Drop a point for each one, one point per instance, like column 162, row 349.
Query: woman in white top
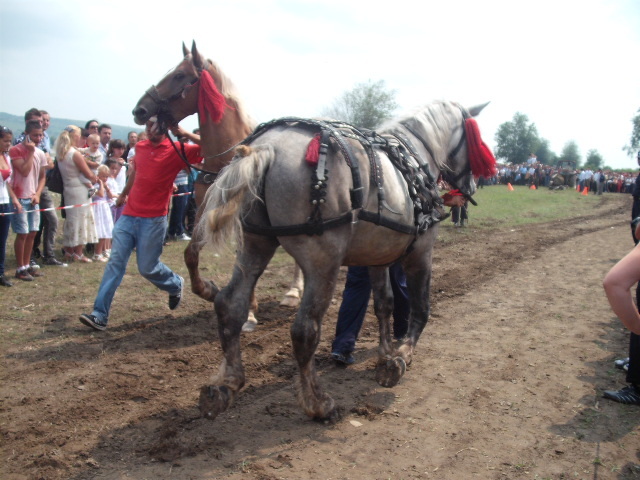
column 79, row 226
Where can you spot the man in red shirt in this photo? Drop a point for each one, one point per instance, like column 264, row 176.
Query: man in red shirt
column 143, row 224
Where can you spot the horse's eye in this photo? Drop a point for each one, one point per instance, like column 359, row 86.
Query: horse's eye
column 179, row 76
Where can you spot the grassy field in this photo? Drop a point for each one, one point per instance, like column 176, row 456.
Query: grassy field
column 522, row 205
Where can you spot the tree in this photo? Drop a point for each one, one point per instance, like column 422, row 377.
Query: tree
column 367, row 105
column 516, row 139
column 594, row 160
column 571, row 153
column 635, row 136
column 544, row 153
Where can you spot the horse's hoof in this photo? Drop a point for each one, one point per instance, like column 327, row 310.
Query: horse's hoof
column 291, row 299
column 251, row 323
column 214, row 400
column 331, row 418
column 388, row 374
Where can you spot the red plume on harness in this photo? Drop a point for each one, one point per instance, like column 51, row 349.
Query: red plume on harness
column 313, row 151
column 483, row 163
column 210, row 101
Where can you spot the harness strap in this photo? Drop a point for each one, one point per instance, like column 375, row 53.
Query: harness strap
column 317, row 228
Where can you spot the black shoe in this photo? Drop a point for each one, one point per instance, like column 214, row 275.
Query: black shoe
column 628, row 395
column 54, row 262
column 174, row 300
column 92, row 321
column 343, row 358
column 4, row 281
column 24, row 275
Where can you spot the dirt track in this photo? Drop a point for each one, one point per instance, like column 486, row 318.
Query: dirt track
column 506, row 383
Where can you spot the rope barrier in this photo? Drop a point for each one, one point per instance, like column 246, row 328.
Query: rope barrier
column 76, row 206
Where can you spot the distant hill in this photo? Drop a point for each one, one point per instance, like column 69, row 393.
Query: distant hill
column 16, row 124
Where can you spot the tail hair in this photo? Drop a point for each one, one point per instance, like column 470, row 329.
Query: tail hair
column 234, row 189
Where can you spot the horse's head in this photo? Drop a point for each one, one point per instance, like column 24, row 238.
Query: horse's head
column 175, row 96
column 469, row 157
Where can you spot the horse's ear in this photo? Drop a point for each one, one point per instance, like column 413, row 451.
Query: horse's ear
column 475, row 111
column 185, row 50
column 198, row 62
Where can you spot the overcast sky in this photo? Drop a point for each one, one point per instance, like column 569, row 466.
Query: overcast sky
column 573, row 67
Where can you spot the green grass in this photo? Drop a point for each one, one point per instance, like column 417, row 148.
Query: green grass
column 521, row 206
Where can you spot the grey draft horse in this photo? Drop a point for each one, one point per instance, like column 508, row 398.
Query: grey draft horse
column 352, row 207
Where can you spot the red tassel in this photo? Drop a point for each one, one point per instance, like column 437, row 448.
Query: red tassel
column 211, row 103
column 313, row 151
column 483, row 163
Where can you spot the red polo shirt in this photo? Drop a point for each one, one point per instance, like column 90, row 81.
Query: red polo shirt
column 156, row 168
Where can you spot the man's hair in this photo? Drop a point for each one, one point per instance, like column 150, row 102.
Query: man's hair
column 103, row 126
column 32, row 112
column 32, row 125
column 86, row 125
column 43, row 112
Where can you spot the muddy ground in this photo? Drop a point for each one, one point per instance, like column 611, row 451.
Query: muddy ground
column 506, row 384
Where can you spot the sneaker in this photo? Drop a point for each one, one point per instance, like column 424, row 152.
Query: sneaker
column 621, row 363
column 53, row 261
column 628, row 395
column 34, row 272
column 33, row 263
column 174, row 300
column 4, row 281
column 24, row 276
column 93, row 322
column 183, row 237
column 343, row 358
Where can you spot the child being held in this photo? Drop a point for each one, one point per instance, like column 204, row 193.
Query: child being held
column 102, row 214
column 93, row 157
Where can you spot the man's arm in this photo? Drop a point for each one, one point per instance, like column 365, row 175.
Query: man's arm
column 180, row 132
column 23, row 164
column 127, row 188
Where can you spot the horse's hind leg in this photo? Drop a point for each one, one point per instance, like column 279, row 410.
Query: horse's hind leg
column 305, row 336
column 232, row 307
column 390, row 366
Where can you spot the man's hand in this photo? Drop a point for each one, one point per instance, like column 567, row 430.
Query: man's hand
column 29, row 144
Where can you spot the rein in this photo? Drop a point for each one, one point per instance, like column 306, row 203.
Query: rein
column 204, row 176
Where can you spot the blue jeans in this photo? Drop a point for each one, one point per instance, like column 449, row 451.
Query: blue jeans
column 178, row 211
column 146, row 235
column 5, row 222
column 355, row 301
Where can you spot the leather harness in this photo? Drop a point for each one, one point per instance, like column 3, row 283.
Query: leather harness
column 422, row 186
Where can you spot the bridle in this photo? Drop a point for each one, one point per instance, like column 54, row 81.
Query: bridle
column 448, row 176
column 164, row 113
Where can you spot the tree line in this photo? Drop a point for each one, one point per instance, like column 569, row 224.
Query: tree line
column 369, row 104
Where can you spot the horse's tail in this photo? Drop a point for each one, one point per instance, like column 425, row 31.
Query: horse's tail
column 227, row 197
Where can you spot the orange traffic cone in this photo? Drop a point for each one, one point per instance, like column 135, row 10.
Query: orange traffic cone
column 585, row 191
column 509, row 187
column 532, row 187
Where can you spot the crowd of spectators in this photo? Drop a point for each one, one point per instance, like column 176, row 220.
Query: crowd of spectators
column 94, row 170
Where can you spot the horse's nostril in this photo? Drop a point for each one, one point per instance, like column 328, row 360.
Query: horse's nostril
column 139, row 112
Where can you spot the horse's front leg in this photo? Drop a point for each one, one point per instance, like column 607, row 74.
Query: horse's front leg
column 204, row 289
column 292, row 297
column 232, row 308
column 305, row 336
column 207, row 289
column 391, row 365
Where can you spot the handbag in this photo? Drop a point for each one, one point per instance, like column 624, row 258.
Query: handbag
column 54, row 179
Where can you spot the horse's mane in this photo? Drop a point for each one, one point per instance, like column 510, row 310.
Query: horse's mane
column 228, row 89
column 434, row 122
